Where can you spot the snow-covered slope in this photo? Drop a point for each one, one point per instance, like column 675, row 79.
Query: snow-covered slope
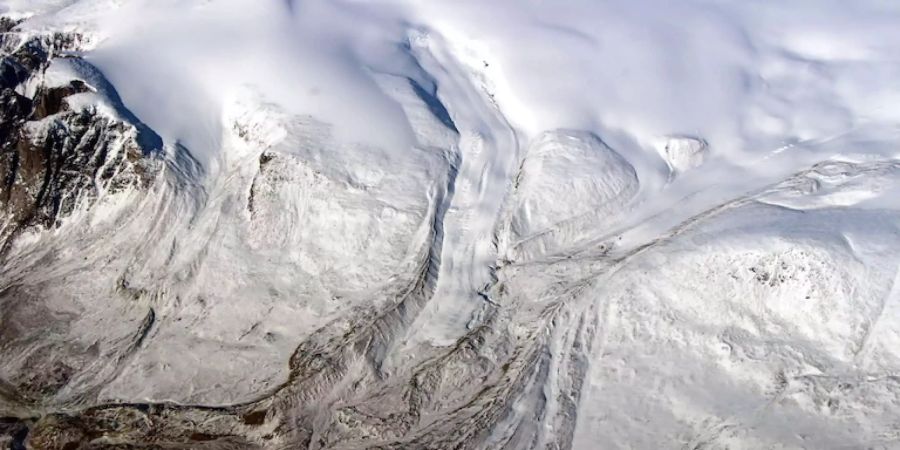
column 411, row 224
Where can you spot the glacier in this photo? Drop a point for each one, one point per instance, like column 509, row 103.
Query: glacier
column 471, row 225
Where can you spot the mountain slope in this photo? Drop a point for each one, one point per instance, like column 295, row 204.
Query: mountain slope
column 424, row 225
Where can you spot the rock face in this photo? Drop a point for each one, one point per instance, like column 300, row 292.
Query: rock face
column 55, row 157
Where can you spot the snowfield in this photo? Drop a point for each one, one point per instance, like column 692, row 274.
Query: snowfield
column 420, row 224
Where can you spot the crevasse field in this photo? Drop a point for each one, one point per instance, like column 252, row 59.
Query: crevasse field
column 434, row 224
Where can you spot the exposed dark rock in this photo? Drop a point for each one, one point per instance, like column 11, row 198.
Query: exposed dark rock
column 7, row 24
column 11, row 73
column 52, row 158
column 50, row 101
column 13, row 433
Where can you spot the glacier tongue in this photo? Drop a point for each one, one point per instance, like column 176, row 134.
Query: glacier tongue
column 448, row 225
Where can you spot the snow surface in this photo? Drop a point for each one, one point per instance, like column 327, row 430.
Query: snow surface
column 688, row 208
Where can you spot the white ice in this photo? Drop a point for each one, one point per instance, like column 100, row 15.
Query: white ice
column 636, row 150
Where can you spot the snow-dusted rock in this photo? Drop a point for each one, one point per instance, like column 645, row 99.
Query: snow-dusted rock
column 683, row 153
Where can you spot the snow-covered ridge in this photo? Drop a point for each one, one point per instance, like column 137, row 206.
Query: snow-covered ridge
column 748, row 80
column 413, row 224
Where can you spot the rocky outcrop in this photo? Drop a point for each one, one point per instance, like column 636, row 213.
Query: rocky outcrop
column 55, row 156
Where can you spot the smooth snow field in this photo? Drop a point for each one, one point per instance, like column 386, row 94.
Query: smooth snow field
column 512, row 224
